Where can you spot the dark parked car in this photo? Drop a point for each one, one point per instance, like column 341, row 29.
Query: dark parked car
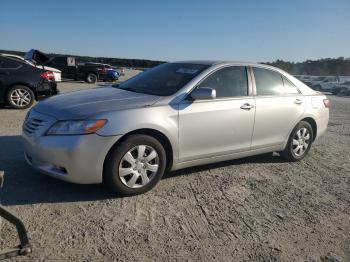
column 70, row 69
column 342, row 88
column 88, row 72
column 21, row 83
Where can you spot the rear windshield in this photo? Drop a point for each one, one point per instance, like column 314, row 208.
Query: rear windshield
column 163, row 80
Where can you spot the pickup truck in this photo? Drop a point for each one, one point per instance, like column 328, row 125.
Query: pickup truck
column 88, row 72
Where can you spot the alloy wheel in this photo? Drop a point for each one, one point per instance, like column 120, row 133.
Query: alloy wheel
column 20, row 97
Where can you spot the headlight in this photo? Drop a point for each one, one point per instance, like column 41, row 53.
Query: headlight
column 76, row 127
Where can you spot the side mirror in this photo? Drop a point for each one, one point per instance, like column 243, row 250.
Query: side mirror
column 203, row 93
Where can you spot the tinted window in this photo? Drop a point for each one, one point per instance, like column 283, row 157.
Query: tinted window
column 228, row 82
column 9, row 64
column 289, row 88
column 17, row 58
column 268, row 82
column 59, row 60
column 163, row 80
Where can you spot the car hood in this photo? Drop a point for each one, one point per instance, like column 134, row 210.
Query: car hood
column 86, row 103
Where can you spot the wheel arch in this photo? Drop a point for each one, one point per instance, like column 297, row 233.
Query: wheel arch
column 20, row 84
column 313, row 124
column 162, row 138
column 91, row 72
column 308, row 119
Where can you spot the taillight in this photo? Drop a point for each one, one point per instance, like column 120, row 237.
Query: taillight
column 48, row 75
column 326, row 103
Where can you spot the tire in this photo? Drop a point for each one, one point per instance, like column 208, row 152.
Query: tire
column 128, row 176
column 91, row 78
column 298, row 139
column 20, row 97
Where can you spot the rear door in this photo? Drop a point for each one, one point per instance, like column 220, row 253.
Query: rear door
column 220, row 126
column 8, row 73
column 279, row 106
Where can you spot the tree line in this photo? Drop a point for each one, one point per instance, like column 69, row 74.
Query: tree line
column 324, row 66
column 321, row 67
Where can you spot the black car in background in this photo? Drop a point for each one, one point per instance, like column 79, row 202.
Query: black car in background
column 88, row 71
column 21, row 83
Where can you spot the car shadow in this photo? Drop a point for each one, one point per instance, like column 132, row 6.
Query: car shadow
column 23, row 185
column 263, row 158
column 7, row 107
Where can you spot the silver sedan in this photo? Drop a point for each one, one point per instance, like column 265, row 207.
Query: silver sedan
column 173, row 116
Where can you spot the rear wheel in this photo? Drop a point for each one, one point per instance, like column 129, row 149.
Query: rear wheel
column 299, row 142
column 20, row 97
column 135, row 166
column 91, row 78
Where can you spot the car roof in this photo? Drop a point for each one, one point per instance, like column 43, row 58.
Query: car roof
column 233, row 63
column 12, row 58
column 11, row 55
column 220, row 62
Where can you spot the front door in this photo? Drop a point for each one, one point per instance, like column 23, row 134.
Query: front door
column 219, row 126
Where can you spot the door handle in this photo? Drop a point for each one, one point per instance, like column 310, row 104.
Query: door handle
column 298, row 101
column 247, row 106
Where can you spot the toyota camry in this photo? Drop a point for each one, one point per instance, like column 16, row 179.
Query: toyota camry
column 173, row 116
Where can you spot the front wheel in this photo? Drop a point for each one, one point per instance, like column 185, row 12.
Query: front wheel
column 299, row 142
column 135, row 166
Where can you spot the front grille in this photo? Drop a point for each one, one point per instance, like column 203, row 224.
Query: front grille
column 31, row 125
column 36, row 123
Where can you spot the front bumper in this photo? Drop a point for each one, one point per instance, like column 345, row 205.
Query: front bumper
column 77, row 159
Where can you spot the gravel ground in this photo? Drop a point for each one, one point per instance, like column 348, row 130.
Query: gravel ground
column 254, row 209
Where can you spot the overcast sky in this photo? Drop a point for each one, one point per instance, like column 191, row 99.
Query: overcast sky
column 178, row 30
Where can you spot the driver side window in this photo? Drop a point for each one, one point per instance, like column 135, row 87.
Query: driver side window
column 228, row 82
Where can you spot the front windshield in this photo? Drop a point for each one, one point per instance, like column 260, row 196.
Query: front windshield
column 163, row 80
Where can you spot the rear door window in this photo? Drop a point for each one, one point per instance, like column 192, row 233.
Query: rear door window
column 9, row 64
column 268, row 82
column 289, row 88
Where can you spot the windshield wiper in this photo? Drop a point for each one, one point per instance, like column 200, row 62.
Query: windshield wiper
column 135, row 90
column 127, row 89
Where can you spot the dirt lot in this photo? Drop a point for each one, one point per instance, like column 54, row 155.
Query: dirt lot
column 254, row 209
